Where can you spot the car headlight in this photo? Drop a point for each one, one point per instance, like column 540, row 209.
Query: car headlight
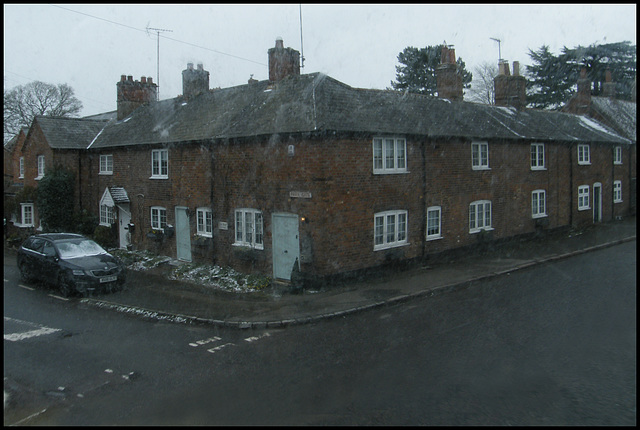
column 78, row 272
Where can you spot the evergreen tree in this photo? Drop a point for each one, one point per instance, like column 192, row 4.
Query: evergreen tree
column 417, row 72
column 54, row 200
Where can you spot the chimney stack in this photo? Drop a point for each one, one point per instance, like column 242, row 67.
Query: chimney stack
column 131, row 95
column 510, row 90
column 448, row 78
column 283, row 61
column 609, row 87
column 194, row 82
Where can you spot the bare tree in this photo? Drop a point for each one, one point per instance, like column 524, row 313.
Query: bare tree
column 24, row 102
column 482, row 87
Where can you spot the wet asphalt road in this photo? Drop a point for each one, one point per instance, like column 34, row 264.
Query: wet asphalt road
column 550, row 345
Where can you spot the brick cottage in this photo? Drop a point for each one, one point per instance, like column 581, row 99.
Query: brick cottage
column 304, row 171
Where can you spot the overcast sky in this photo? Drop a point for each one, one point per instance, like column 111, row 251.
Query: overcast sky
column 90, row 46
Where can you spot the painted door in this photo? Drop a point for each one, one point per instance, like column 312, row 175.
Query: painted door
column 183, row 234
column 124, row 218
column 597, row 202
column 286, row 245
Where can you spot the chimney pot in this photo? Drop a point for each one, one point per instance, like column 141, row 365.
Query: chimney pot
column 123, row 78
column 130, row 78
column 190, row 66
column 149, row 80
column 200, row 66
column 143, row 80
column 283, row 62
column 516, row 68
column 279, row 43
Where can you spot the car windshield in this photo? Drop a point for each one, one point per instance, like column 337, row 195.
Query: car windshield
column 74, row 248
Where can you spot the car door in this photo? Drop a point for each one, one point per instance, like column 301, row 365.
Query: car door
column 50, row 262
column 33, row 257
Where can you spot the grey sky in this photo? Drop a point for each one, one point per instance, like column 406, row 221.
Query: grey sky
column 90, row 46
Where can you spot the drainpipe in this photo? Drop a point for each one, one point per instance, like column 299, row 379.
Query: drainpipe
column 424, row 202
column 571, row 147
column 212, row 188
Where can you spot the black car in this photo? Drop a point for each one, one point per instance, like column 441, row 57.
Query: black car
column 72, row 262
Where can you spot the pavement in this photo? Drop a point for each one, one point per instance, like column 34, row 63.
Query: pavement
column 151, row 294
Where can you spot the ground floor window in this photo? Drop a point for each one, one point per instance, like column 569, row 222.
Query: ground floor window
column 583, row 197
column 158, row 218
column 538, row 204
column 617, row 191
column 106, row 215
column 249, row 228
column 27, row 214
column 479, row 216
column 390, row 229
column 204, row 222
column 433, row 223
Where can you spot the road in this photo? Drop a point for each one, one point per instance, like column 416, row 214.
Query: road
column 550, row 345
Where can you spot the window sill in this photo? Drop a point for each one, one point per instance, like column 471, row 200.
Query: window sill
column 478, row 230
column 37, row 178
column 434, row 238
column 390, row 172
column 584, row 163
column 159, row 177
column 617, row 201
column 480, row 168
column 389, row 246
column 537, row 169
column 205, row 235
column 539, row 216
column 105, row 173
column 244, row 246
column 617, row 163
column 585, row 208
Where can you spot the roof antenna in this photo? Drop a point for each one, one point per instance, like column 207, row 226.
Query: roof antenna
column 301, row 47
column 157, row 30
column 499, row 53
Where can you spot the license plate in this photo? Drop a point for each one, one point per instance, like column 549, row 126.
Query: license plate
column 108, row 279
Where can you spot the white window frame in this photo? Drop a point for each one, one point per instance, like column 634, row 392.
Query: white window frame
column 21, row 168
column 249, row 228
column 389, row 155
column 40, row 167
column 204, row 222
column 480, row 216
column 390, row 229
column 26, row 215
column 158, row 218
column 107, row 215
column 584, row 155
column 159, row 164
column 537, row 156
column 106, row 164
column 583, row 197
column 538, row 204
column 436, row 231
column 480, row 155
column 617, row 191
column 617, row 155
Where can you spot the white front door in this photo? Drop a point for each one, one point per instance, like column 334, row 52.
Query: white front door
column 124, row 218
column 286, row 246
column 597, row 202
column 183, row 234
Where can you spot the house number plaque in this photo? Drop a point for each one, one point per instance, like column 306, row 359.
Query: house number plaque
column 300, row 194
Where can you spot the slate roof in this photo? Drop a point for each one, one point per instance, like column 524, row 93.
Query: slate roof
column 619, row 114
column 119, row 195
column 69, row 133
column 317, row 102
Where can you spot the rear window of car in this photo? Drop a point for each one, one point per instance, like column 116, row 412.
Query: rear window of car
column 74, row 248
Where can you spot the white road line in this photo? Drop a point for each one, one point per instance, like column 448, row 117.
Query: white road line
column 205, row 341
column 39, row 331
column 25, row 287
column 252, row 338
column 218, row 348
column 58, row 297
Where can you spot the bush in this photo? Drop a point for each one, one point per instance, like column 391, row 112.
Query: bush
column 104, row 237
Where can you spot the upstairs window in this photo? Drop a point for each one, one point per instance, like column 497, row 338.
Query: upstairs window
column 390, row 229
column 106, row 164
column 537, row 156
column 249, row 228
column 40, row 167
column 480, row 155
column 434, row 223
column 583, row 154
column 617, row 155
column 21, row 168
column 389, row 155
column 480, row 216
column 204, row 222
column 158, row 218
column 160, row 164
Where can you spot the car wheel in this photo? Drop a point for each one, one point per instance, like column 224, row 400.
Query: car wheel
column 24, row 273
column 64, row 285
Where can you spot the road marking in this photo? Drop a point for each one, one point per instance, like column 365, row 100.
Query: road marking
column 39, row 331
column 205, row 341
column 58, row 297
column 253, row 338
column 218, row 348
column 25, row 287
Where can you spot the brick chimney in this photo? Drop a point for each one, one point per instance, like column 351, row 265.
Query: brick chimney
column 609, row 87
column 283, row 61
column 582, row 99
column 510, row 90
column 448, row 80
column 194, row 82
column 133, row 94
